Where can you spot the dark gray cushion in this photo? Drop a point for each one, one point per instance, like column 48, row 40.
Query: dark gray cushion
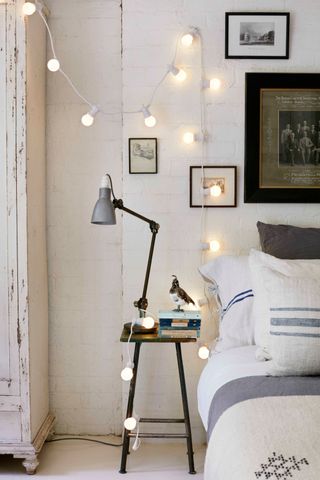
column 286, row 241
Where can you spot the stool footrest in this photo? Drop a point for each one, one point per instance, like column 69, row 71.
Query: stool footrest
column 159, row 435
column 162, row 420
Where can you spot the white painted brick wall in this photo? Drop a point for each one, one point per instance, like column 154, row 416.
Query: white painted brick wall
column 86, row 302
column 84, row 260
column 149, row 31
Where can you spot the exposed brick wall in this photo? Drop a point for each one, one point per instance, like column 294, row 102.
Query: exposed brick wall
column 84, row 261
column 149, row 33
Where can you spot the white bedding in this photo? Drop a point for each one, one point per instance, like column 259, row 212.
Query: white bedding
column 222, row 368
column 259, row 427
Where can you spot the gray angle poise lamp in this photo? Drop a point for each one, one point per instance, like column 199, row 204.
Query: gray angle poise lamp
column 104, row 214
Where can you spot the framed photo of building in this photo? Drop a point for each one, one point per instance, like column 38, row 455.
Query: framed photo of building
column 213, row 186
column 257, row 35
column 282, row 138
column 143, row 155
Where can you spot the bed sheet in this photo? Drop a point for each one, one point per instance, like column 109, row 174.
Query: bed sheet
column 223, row 368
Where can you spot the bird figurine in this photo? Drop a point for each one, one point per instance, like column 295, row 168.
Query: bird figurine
column 178, row 295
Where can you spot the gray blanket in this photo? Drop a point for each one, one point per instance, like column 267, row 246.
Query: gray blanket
column 265, row 428
column 257, row 387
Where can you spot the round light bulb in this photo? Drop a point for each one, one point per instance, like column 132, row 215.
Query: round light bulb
column 215, row 191
column 87, row 120
column 127, row 374
column 53, row 65
column 188, row 138
column 187, row 40
column 150, row 121
column 215, row 83
column 214, row 246
column 29, row 8
column 203, row 352
column 130, row 423
column 148, row 322
column 181, row 75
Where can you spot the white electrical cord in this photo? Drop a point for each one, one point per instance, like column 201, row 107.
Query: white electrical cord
column 82, row 97
column 128, row 343
column 133, row 322
column 203, row 127
column 49, row 32
column 137, row 441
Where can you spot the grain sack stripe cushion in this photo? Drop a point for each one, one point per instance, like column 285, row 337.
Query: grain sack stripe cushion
column 296, row 322
column 238, row 298
column 294, row 309
column 292, row 326
column 296, row 334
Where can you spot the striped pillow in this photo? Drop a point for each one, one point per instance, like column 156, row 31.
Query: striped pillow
column 261, row 264
column 231, row 274
column 294, row 324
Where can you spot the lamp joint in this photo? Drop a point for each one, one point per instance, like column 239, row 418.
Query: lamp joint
column 142, row 303
column 117, row 202
column 154, row 227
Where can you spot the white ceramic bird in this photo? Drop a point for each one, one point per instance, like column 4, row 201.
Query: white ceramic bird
column 178, row 295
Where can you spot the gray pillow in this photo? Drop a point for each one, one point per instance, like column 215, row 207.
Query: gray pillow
column 287, row 241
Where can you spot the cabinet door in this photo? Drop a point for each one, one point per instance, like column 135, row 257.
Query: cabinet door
column 9, row 325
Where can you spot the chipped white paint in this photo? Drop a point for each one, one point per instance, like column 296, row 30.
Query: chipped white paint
column 4, row 326
column 9, row 364
column 24, row 418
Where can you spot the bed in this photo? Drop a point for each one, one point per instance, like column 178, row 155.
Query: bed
column 259, row 394
column 258, row 426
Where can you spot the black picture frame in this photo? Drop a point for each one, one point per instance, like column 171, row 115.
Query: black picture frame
column 264, row 47
column 222, row 175
column 273, row 172
column 143, row 155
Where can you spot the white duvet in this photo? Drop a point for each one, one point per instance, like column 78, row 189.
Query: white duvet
column 266, row 438
column 222, row 368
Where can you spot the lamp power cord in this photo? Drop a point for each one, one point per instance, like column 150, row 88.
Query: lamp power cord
column 109, row 444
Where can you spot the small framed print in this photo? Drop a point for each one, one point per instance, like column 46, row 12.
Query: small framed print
column 213, row 186
column 257, row 35
column 143, row 155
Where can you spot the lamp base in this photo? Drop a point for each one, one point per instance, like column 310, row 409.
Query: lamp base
column 140, row 329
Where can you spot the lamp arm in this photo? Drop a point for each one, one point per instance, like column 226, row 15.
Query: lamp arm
column 142, row 303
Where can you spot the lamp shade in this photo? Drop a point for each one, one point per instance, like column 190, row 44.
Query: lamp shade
column 103, row 213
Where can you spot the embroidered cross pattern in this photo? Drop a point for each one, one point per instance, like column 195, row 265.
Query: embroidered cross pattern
column 280, row 468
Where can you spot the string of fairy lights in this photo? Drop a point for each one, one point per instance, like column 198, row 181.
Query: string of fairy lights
column 185, row 40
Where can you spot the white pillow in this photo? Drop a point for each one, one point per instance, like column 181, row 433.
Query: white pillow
column 232, row 275
column 259, row 263
column 294, row 323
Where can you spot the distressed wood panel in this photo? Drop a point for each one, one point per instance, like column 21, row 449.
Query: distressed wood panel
column 24, row 418
column 4, row 323
column 10, row 429
column 9, row 328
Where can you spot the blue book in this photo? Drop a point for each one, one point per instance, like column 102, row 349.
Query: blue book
column 174, row 333
column 179, row 323
column 182, row 315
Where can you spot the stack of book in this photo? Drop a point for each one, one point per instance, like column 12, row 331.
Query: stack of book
column 182, row 324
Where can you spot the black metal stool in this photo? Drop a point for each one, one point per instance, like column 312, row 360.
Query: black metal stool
column 138, row 339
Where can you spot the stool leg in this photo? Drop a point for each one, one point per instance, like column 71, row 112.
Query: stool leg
column 126, row 438
column 185, row 408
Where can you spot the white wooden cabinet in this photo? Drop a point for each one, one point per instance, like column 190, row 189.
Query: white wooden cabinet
column 24, row 408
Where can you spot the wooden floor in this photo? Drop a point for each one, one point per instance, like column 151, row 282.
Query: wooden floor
column 74, row 459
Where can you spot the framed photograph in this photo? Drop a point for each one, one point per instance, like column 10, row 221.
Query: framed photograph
column 143, row 155
column 257, row 35
column 213, row 186
column 282, row 138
